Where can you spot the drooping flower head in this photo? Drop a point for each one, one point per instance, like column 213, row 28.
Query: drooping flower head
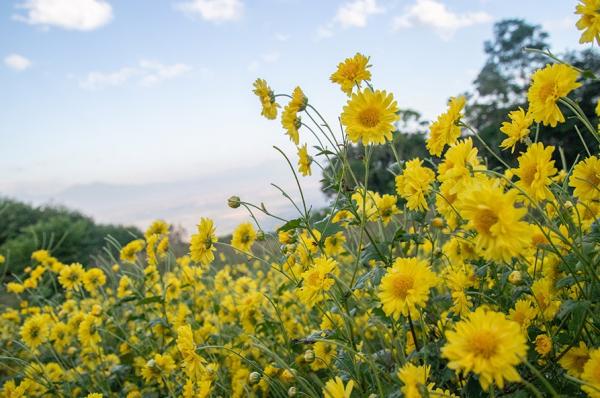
column 405, row 287
column 351, row 73
column 445, row 130
column 589, row 20
column 548, row 85
column 304, row 161
column 267, row 99
column 369, row 116
column 291, row 122
column 487, row 344
column 517, row 129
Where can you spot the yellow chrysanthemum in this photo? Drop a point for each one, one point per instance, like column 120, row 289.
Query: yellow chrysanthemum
column 351, row 73
column 193, row 363
column 543, row 344
column 299, row 100
column 414, row 184
column 129, row 251
column 316, row 281
column 93, row 279
column 586, row 179
column 158, row 369
column 405, row 287
column 591, row 374
column 544, row 297
column 35, row 331
column 517, row 129
column 158, row 227
column 334, row 244
column 369, row 116
column 335, row 388
column 487, row 344
column 589, row 20
column 523, row 313
column 445, row 131
column 202, row 244
column 267, row 99
column 304, row 161
column 243, row 237
column 71, row 276
column 414, row 378
column 535, row 172
column 386, row 207
column 575, row 359
column 548, row 85
column 501, row 235
column 460, row 161
column 291, row 122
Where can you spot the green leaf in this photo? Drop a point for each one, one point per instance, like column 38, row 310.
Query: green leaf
column 149, row 300
column 292, row 224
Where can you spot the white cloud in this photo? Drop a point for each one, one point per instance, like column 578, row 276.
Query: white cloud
column 146, row 73
column 355, row 13
column 213, row 10
column 267, row 58
column 17, row 62
column 282, row 37
column 68, row 14
column 434, row 14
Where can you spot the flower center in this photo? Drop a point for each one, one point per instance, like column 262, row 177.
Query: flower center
column 485, row 219
column 548, row 92
column 402, row 285
column 369, row 117
column 484, row 344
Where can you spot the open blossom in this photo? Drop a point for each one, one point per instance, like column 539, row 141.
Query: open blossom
column 351, row 73
column 369, row 117
column 445, row 130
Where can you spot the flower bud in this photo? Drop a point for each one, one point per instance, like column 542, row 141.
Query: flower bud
column 234, row 202
column 309, row 356
column 515, row 277
column 116, row 268
column 292, row 392
column 253, row 378
column 437, row 222
column 288, row 375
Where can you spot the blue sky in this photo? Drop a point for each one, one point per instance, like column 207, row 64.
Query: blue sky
column 122, row 93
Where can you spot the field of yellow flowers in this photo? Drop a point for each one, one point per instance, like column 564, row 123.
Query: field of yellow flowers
column 469, row 282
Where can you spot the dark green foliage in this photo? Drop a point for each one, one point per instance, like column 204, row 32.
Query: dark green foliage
column 69, row 235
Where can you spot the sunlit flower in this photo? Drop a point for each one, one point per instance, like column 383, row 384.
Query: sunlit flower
column 71, row 276
column 487, row 344
column 243, row 237
column 517, row 129
column 445, row 130
column 316, row 281
column 369, row 117
column 591, row 374
column 414, row 184
column 414, row 378
column 202, row 244
column 304, row 161
column 335, row 388
column 589, row 20
column 535, row 171
column 267, row 99
column 351, row 73
column 586, row 179
column 575, row 359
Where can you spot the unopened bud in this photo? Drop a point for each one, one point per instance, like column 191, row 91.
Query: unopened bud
column 309, row 356
column 253, row 378
column 234, row 202
column 515, row 277
column 292, row 392
column 437, row 222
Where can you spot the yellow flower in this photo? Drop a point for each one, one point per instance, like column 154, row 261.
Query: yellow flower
column 586, row 179
column 334, row 244
column 405, row 287
column 334, row 388
column 547, row 86
column 445, row 131
column 591, row 374
column 291, row 122
column 304, row 161
column 501, row 235
column 94, row 395
column 243, row 237
column 369, row 116
column 589, row 20
column 71, row 276
column 129, row 251
column 575, row 359
column 413, row 377
column 517, row 129
column 193, row 363
column 460, row 161
column 158, row 369
column 202, row 244
column 487, row 344
column 88, row 333
column 351, row 73
column 414, row 184
column 386, row 207
column 316, row 281
column 543, row 344
column 523, row 313
column 267, row 99
column 535, row 171
column 543, row 295
column 35, row 331
column 158, row 227
column 93, row 279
